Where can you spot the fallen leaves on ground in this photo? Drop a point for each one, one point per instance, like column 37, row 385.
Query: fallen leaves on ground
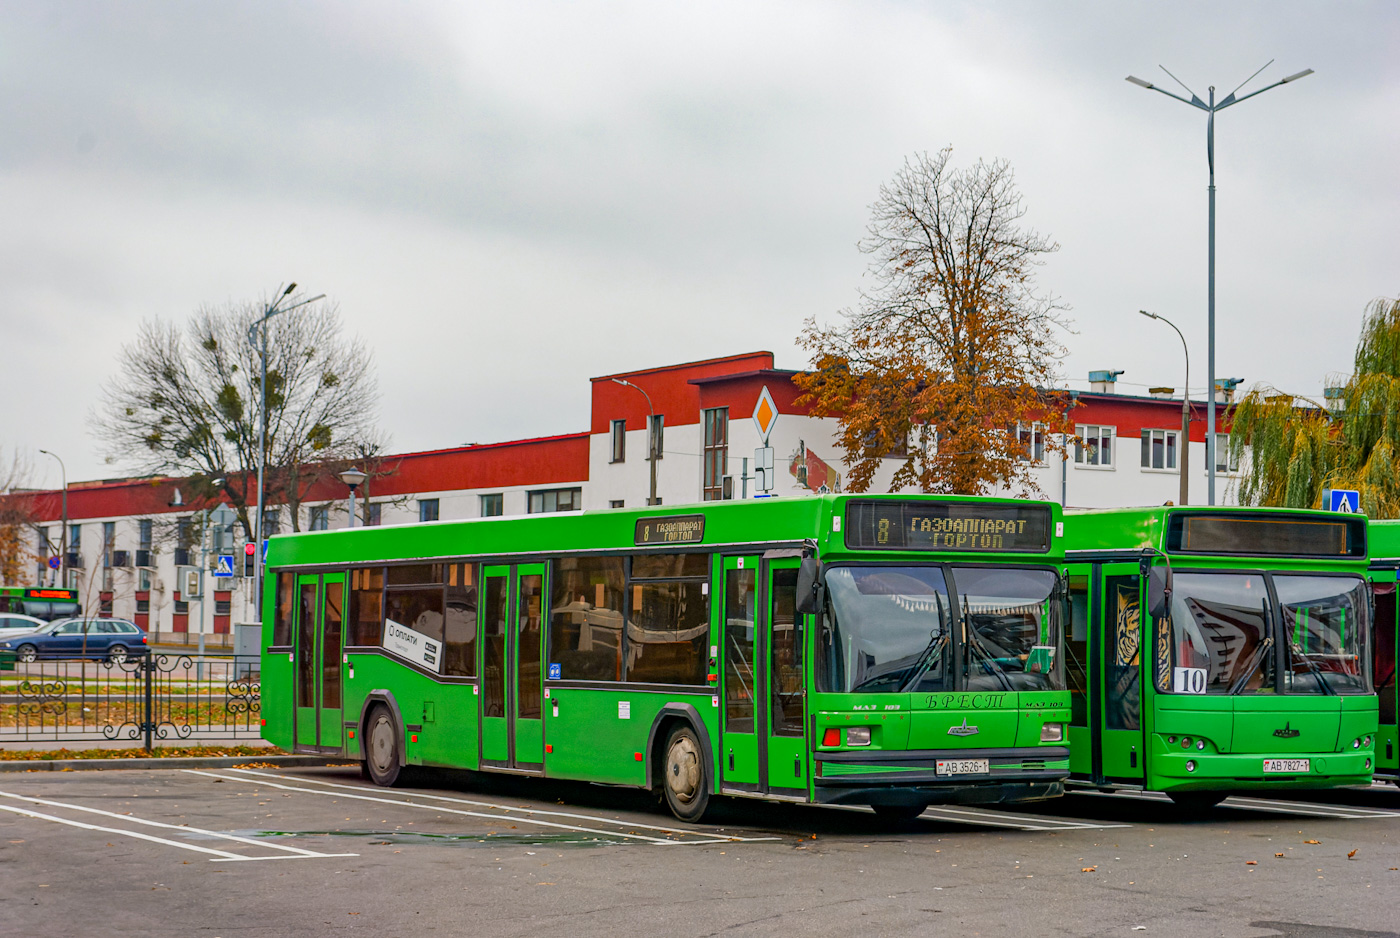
column 1088, row 869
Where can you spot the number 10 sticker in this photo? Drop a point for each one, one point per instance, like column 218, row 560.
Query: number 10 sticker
column 1188, row 680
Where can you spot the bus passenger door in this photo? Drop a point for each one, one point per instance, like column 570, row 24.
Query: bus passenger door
column 740, row 640
column 328, row 704
column 785, row 665
column 307, row 661
column 527, row 650
column 1119, row 618
column 1083, row 740
column 495, row 630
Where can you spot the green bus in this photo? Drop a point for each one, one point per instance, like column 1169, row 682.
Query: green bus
column 1385, row 568
column 41, row 602
column 871, row 650
column 1251, row 669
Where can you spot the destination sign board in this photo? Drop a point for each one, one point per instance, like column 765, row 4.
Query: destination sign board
column 1266, row 535
column 672, row 529
column 952, row 526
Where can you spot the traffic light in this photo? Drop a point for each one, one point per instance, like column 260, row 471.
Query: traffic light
column 250, row 552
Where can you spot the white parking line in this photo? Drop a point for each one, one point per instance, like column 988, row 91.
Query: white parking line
column 1012, row 820
column 291, row 853
column 519, row 818
column 513, row 808
column 1251, row 803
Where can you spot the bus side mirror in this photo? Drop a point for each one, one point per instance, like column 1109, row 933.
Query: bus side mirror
column 808, row 582
column 1159, row 591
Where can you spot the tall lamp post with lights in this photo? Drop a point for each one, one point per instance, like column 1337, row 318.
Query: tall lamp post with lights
column 651, row 434
column 63, row 535
column 1211, row 107
column 1185, row 498
column 273, row 309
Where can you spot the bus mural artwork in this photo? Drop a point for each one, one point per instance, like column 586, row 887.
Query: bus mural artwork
column 1260, row 676
column 890, row 651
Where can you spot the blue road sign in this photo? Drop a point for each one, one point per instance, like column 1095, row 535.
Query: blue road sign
column 1348, row 500
column 223, row 565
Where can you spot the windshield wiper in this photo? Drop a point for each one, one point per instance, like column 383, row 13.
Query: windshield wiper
column 924, row 661
column 1243, row 679
column 974, row 642
column 1296, row 654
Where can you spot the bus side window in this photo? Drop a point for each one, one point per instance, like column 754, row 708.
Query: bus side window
column 1076, row 670
column 1384, row 630
column 282, row 610
column 1122, row 639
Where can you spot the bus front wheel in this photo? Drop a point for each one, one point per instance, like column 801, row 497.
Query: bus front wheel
column 1196, row 801
column 382, row 748
column 685, row 781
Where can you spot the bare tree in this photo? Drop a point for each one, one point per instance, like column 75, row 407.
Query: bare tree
column 17, row 555
column 185, row 402
column 953, row 350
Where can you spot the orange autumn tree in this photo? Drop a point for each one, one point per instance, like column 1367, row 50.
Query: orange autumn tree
column 952, row 349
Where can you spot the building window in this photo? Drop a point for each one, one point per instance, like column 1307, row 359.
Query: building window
column 223, row 607
column 619, row 441
column 182, row 607
column 556, row 500
column 493, row 506
column 109, row 539
column 658, row 428
column 272, row 522
column 1223, row 461
column 1094, row 446
column 1159, row 449
column 716, row 458
column 143, row 605
column 320, row 518
column 427, row 509
column 75, row 537
column 144, row 534
column 616, row 503
column 1030, row 441
column 374, row 514
column 143, row 581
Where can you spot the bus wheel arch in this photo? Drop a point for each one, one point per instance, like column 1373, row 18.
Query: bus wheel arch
column 679, row 725
column 384, row 700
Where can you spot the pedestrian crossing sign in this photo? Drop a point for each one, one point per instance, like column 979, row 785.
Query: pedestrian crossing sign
column 223, row 565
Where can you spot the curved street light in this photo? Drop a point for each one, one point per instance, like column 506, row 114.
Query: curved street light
column 1185, row 411
column 651, row 434
column 63, row 535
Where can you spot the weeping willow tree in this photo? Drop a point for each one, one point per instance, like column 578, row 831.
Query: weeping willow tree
column 1294, row 453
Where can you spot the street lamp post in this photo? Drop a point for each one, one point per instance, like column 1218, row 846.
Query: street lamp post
column 1185, row 412
column 63, row 535
column 1210, row 109
column 651, row 435
column 272, row 310
column 354, row 478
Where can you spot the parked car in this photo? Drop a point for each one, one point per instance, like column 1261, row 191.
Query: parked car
column 116, row 639
column 15, row 623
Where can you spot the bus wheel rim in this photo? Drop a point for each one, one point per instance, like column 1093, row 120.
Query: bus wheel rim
column 683, row 769
column 382, row 745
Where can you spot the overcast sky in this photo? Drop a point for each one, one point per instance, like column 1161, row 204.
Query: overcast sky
column 506, row 199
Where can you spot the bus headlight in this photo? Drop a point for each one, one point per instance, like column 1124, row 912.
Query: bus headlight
column 1200, row 744
column 1190, row 765
column 857, row 736
column 1052, row 732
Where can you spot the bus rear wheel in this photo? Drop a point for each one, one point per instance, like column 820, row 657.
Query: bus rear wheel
column 685, row 778
column 898, row 812
column 382, row 748
column 1196, row 801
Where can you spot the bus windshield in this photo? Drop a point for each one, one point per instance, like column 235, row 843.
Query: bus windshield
column 1222, row 635
column 890, row 629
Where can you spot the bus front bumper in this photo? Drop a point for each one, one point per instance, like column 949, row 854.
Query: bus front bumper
column 913, row 777
column 1219, row 771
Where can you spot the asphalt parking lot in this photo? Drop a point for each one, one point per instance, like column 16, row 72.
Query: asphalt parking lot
column 318, row 851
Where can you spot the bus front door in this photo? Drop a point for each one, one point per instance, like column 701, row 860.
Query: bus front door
column 1117, row 707
column 319, row 636
column 763, row 746
column 512, row 729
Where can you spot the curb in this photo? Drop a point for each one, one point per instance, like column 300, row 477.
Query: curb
column 184, row 762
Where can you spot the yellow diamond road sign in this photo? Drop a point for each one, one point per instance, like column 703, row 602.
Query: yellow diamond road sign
column 765, row 414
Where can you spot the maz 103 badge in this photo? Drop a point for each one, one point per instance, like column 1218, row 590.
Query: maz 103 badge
column 1188, row 680
column 413, row 645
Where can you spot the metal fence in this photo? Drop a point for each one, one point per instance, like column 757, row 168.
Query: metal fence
column 151, row 698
